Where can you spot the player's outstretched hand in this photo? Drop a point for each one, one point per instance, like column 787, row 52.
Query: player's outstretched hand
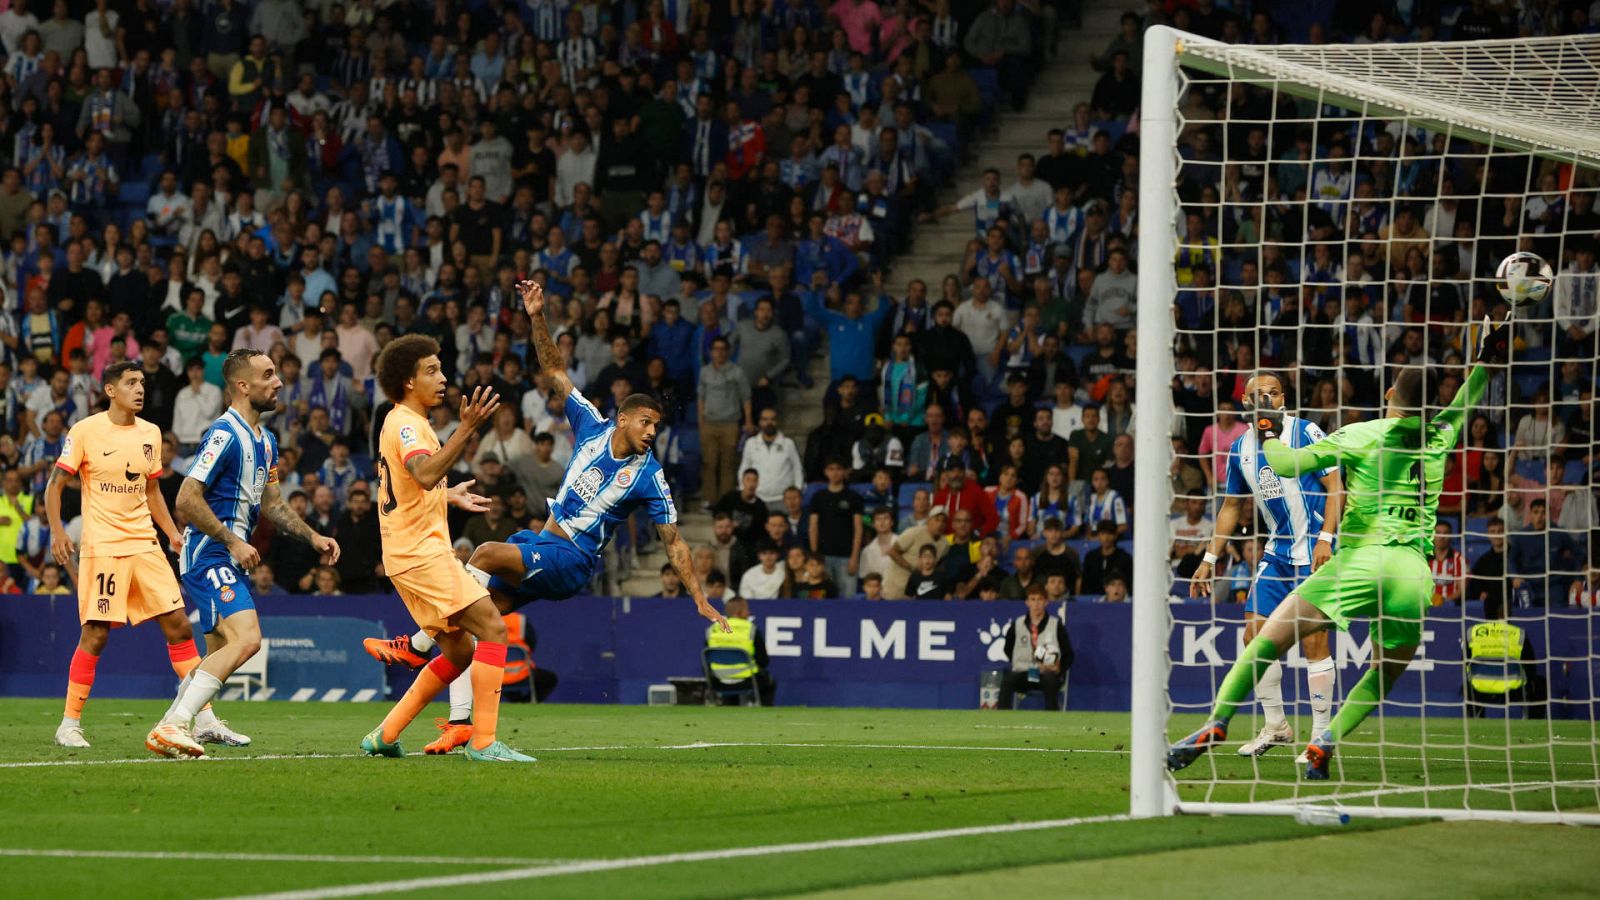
column 326, row 547
column 1320, row 554
column 1494, row 342
column 1267, row 420
column 462, row 497
column 532, row 298
column 704, row 608
column 62, row 548
column 1200, row 581
column 244, row 556
column 479, row 408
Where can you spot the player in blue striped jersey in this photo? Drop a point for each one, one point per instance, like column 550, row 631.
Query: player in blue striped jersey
column 1299, row 516
column 612, row 474
column 232, row 481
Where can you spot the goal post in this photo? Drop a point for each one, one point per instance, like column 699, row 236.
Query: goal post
column 1484, row 107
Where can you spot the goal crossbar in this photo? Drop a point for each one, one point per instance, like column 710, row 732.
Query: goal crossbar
column 1531, row 95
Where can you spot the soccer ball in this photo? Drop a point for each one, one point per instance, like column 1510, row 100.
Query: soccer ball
column 1523, row 278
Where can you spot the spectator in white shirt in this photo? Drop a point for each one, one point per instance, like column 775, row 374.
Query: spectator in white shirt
column 775, row 458
column 14, row 23
column 764, row 580
column 984, row 323
column 168, row 207
column 197, row 406
column 574, row 167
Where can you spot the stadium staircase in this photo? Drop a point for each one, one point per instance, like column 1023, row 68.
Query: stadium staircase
column 936, row 248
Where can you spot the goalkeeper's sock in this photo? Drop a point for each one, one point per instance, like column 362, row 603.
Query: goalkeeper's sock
column 1365, row 697
column 1241, row 680
column 421, row 643
column 1319, row 681
column 1269, row 693
column 434, row 676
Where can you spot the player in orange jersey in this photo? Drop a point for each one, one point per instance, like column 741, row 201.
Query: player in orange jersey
column 123, row 576
column 442, row 597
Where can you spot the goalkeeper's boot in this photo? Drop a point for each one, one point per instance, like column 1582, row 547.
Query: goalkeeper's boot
column 395, row 651
column 496, row 752
column 1319, row 755
column 451, row 736
column 374, row 745
column 1186, row 751
column 1280, row 736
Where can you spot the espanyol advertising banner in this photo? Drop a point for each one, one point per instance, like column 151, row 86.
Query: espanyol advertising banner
column 918, row 654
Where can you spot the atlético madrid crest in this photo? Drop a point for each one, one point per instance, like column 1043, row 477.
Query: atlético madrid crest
column 149, row 452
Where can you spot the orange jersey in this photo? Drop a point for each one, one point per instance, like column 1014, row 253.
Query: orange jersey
column 411, row 520
column 114, row 463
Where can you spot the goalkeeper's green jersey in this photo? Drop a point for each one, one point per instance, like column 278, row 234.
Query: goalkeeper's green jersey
column 1393, row 470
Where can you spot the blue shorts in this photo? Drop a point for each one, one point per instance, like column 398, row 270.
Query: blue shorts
column 217, row 590
column 1274, row 581
column 553, row 569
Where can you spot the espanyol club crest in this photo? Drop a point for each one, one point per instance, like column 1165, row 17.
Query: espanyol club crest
column 226, row 594
column 625, row 477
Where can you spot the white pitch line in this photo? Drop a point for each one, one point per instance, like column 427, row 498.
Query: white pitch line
column 279, row 857
column 581, row 867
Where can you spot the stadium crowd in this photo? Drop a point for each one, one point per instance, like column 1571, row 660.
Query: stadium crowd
column 717, row 192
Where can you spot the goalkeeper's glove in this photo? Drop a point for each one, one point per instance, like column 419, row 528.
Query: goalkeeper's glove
column 1268, row 421
column 1494, row 342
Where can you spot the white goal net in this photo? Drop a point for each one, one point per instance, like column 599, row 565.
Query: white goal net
column 1333, row 216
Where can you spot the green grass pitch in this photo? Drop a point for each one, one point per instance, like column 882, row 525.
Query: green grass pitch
column 618, row 790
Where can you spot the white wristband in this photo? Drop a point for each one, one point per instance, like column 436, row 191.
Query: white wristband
column 1324, row 537
column 1210, row 558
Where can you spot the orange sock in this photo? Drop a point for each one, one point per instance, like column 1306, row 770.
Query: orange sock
column 184, row 657
column 80, row 678
column 430, row 681
column 488, row 674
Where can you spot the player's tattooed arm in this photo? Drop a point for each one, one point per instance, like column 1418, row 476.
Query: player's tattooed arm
column 551, row 363
column 197, row 512
column 278, row 511
column 683, row 563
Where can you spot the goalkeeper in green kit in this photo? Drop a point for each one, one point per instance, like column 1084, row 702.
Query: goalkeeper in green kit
column 1394, row 468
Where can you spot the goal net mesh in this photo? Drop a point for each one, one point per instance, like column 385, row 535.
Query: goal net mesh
column 1340, row 212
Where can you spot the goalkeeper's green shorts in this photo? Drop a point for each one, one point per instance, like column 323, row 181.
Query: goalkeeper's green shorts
column 1390, row 584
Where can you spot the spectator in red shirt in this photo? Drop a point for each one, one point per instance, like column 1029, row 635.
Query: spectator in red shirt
column 960, row 492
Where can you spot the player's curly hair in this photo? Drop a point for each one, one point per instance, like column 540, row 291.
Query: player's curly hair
column 398, row 362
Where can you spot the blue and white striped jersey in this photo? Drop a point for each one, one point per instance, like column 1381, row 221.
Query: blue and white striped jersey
column 1290, row 507
column 235, row 463
column 599, row 491
column 1092, row 509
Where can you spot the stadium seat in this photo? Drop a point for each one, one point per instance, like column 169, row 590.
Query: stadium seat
column 718, row 690
column 1574, row 472
column 1478, row 525
column 1531, row 469
column 988, row 81
column 810, row 490
column 1476, row 547
column 908, row 491
column 1529, row 383
column 134, row 193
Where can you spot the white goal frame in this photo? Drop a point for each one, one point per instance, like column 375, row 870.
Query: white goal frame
column 1563, row 111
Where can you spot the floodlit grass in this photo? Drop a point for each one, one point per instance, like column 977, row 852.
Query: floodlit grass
column 622, row 785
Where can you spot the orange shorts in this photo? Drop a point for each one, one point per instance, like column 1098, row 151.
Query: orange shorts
column 437, row 590
column 126, row 589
